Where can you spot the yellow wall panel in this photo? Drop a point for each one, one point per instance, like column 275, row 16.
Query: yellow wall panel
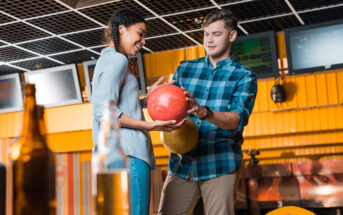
column 305, row 151
column 338, row 117
column 298, row 140
column 81, row 73
column 147, row 65
column 162, row 162
column 299, row 120
column 161, row 151
column 311, row 91
column 301, row 95
column 69, row 118
column 85, row 156
column 155, row 137
column 332, row 88
column 340, row 85
column 70, row 141
column 290, row 86
column 279, row 123
column 263, row 92
column 296, row 159
column 322, row 93
column 11, row 124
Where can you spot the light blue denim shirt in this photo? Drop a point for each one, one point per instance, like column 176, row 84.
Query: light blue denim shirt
column 112, row 79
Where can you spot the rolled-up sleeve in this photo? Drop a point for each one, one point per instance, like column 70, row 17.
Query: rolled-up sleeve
column 244, row 98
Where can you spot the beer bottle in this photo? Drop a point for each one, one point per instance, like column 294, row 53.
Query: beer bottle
column 110, row 167
column 34, row 163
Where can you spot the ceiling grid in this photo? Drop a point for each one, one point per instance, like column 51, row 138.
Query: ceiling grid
column 41, row 34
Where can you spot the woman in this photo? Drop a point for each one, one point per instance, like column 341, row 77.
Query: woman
column 113, row 80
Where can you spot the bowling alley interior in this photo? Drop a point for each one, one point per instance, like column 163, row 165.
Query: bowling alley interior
column 292, row 153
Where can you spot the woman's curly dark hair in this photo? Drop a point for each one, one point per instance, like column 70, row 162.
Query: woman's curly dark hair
column 122, row 17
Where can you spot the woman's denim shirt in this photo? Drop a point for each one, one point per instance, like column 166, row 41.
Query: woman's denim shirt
column 113, row 80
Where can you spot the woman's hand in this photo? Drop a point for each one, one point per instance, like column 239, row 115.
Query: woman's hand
column 165, row 125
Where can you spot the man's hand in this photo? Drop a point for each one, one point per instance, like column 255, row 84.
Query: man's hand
column 194, row 107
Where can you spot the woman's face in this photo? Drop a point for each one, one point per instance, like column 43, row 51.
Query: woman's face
column 132, row 38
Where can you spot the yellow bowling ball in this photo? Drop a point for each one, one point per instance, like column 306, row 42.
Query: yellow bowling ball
column 181, row 140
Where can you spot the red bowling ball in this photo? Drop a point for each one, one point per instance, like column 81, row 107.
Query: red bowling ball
column 167, row 102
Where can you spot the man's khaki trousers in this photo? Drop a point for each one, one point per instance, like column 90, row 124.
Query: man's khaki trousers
column 179, row 196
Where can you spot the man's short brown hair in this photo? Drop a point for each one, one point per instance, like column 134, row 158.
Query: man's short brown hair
column 221, row 14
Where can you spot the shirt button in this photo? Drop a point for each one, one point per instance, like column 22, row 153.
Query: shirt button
column 198, row 123
column 206, row 90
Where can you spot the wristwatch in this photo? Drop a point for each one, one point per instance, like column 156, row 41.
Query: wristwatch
column 208, row 112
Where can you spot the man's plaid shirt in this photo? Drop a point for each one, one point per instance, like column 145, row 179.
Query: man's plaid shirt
column 229, row 87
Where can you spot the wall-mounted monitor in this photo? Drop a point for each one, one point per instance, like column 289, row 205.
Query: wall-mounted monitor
column 314, row 48
column 136, row 66
column 89, row 67
column 258, row 52
column 56, row 86
column 11, row 99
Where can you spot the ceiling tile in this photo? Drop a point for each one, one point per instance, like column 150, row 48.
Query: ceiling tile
column 19, row 32
column 163, row 7
column 11, row 53
column 4, row 18
column 8, row 70
column 309, row 4
column 103, row 13
column 32, row 8
column 87, row 39
column 256, row 9
column 49, row 46
column 76, row 57
column 322, row 15
column 277, row 24
column 158, row 27
column 168, row 43
column 188, row 21
column 64, row 23
column 40, row 63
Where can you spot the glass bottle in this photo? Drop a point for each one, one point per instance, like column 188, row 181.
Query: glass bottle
column 34, row 163
column 110, row 167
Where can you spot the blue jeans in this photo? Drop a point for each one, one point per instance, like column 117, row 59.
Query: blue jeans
column 140, row 179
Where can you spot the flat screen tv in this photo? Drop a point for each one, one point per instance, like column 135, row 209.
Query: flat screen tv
column 315, row 47
column 136, row 66
column 258, row 52
column 56, row 86
column 11, row 99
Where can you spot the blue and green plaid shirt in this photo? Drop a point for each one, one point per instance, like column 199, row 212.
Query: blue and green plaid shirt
column 229, row 87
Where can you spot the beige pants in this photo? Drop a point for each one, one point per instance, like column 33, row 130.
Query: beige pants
column 179, row 196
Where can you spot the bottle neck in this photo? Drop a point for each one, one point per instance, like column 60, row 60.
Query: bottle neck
column 31, row 121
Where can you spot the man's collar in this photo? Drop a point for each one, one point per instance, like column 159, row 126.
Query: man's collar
column 226, row 61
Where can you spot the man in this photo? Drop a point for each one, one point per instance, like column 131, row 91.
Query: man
column 221, row 93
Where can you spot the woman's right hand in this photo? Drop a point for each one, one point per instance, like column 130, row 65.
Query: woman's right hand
column 165, row 125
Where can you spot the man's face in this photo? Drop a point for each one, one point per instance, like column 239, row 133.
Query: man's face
column 217, row 39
